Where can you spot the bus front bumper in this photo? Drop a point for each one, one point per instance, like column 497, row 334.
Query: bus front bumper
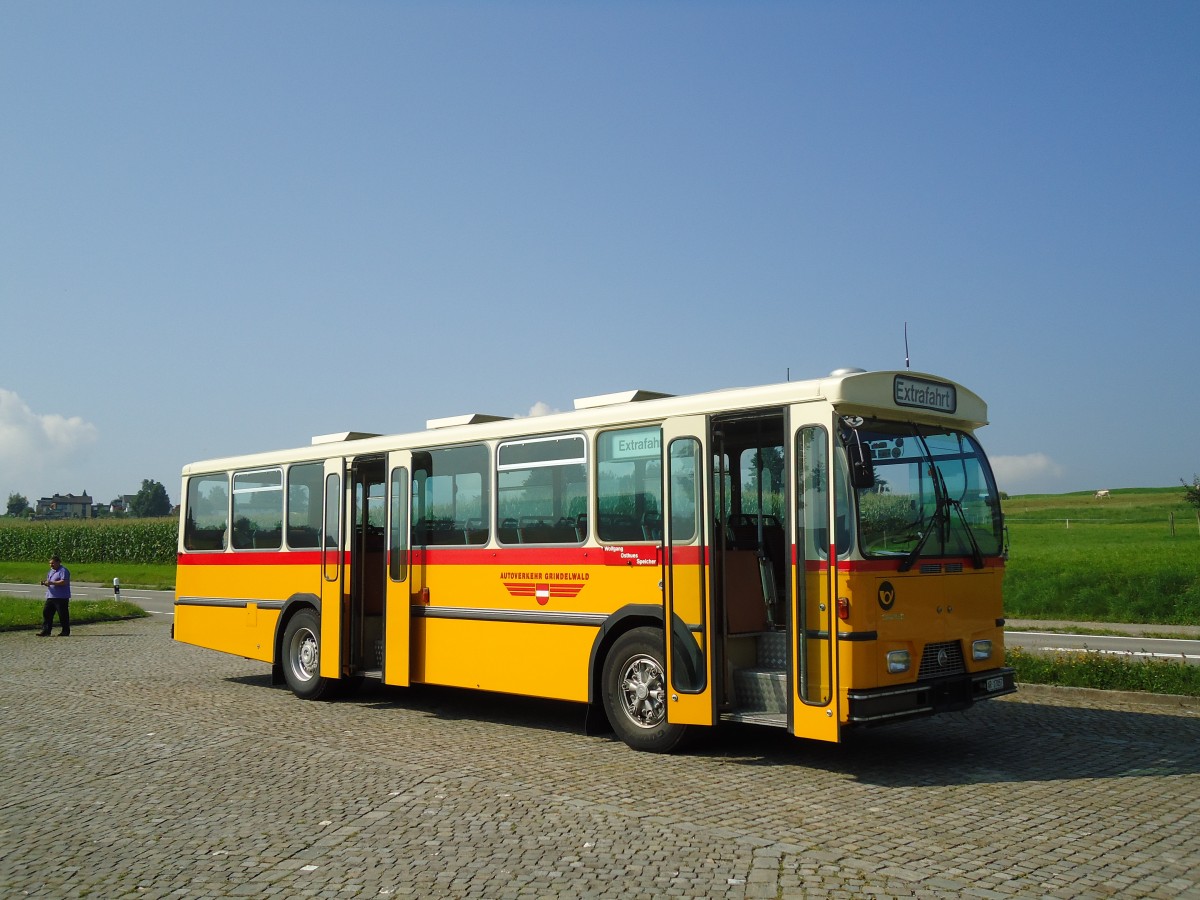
column 927, row 698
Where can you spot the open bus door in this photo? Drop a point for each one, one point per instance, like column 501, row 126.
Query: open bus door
column 686, row 609
column 814, row 578
column 332, row 570
column 399, row 602
column 363, row 614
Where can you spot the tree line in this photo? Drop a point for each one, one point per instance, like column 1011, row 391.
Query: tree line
column 150, row 502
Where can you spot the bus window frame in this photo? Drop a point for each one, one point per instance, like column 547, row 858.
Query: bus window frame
column 233, row 493
column 545, row 521
column 316, row 500
column 637, row 520
column 424, row 471
column 195, row 479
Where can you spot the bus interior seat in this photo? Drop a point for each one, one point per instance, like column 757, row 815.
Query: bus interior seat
column 541, row 530
column 745, row 604
column 743, row 533
column 620, row 528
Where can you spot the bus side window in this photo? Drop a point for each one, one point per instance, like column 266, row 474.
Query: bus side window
column 450, row 496
column 304, row 505
column 541, row 486
column 629, row 484
column 207, row 512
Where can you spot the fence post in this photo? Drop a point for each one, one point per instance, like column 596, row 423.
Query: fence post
column 1172, row 524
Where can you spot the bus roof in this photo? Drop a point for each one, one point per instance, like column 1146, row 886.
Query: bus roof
column 914, row 396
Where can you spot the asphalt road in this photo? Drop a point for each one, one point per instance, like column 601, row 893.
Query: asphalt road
column 158, row 603
column 1133, row 647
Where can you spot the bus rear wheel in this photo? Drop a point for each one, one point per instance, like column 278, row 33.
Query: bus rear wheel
column 302, row 656
column 635, row 693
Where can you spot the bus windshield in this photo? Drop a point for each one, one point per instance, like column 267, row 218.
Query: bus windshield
column 933, row 495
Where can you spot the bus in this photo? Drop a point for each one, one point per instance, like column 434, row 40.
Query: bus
column 814, row 556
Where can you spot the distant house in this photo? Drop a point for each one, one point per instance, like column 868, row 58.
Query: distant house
column 122, row 504
column 65, row 506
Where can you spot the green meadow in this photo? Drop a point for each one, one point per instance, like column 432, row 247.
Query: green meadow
column 23, row 614
column 1133, row 557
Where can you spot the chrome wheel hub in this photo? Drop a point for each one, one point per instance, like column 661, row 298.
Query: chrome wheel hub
column 643, row 692
column 305, row 655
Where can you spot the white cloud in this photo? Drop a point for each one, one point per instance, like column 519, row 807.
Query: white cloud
column 32, row 444
column 541, row 409
column 1030, row 473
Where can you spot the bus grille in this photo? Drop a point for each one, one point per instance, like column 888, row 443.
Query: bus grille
column 940, row 660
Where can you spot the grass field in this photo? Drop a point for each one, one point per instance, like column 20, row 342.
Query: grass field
column 1116, row 560
column 23, row 614
column 1105, row 672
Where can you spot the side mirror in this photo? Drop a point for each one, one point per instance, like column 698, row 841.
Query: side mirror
column 862, row 467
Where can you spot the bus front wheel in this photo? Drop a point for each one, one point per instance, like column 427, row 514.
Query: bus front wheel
column 302, row 656
column 635, row 692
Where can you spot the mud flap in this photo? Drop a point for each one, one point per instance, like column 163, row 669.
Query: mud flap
column 595, row 721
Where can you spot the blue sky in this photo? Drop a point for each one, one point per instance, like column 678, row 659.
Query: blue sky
column 226, row 227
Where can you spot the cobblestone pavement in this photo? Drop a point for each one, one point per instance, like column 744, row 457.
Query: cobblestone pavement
column 137, row 767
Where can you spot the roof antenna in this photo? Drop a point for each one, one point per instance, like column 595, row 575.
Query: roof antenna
column 906, row 365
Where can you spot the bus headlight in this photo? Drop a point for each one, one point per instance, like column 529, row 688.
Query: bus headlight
column 981, row 650
column 898, row 661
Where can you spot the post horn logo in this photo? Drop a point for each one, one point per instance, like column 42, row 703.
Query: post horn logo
column 887, row 596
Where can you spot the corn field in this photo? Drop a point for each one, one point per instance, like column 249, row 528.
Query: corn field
column 99, row 541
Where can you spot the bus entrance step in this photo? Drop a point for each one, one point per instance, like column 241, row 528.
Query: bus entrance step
column 772, row 720
column 772, row 650
column 760, row 690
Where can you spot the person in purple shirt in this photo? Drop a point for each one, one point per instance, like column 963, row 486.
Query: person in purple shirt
column 58, row 595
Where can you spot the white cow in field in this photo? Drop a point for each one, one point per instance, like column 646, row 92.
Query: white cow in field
column 1102, row 495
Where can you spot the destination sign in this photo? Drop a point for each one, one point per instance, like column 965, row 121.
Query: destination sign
column 631, row 443
column 922, row 394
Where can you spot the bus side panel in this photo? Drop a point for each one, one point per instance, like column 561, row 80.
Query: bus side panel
column 534, row 660
column 218, row 597
column 488, row 620
column 243, row 631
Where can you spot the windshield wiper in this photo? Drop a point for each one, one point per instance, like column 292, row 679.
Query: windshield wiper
column 976, row 554
column 935, row 523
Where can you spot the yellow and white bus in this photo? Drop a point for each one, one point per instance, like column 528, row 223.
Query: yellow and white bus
column 814, row 555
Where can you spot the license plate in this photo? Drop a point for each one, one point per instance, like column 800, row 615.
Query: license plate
column 994, row 684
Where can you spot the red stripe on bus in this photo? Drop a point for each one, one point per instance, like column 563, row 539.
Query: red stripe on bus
column 252, row 558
